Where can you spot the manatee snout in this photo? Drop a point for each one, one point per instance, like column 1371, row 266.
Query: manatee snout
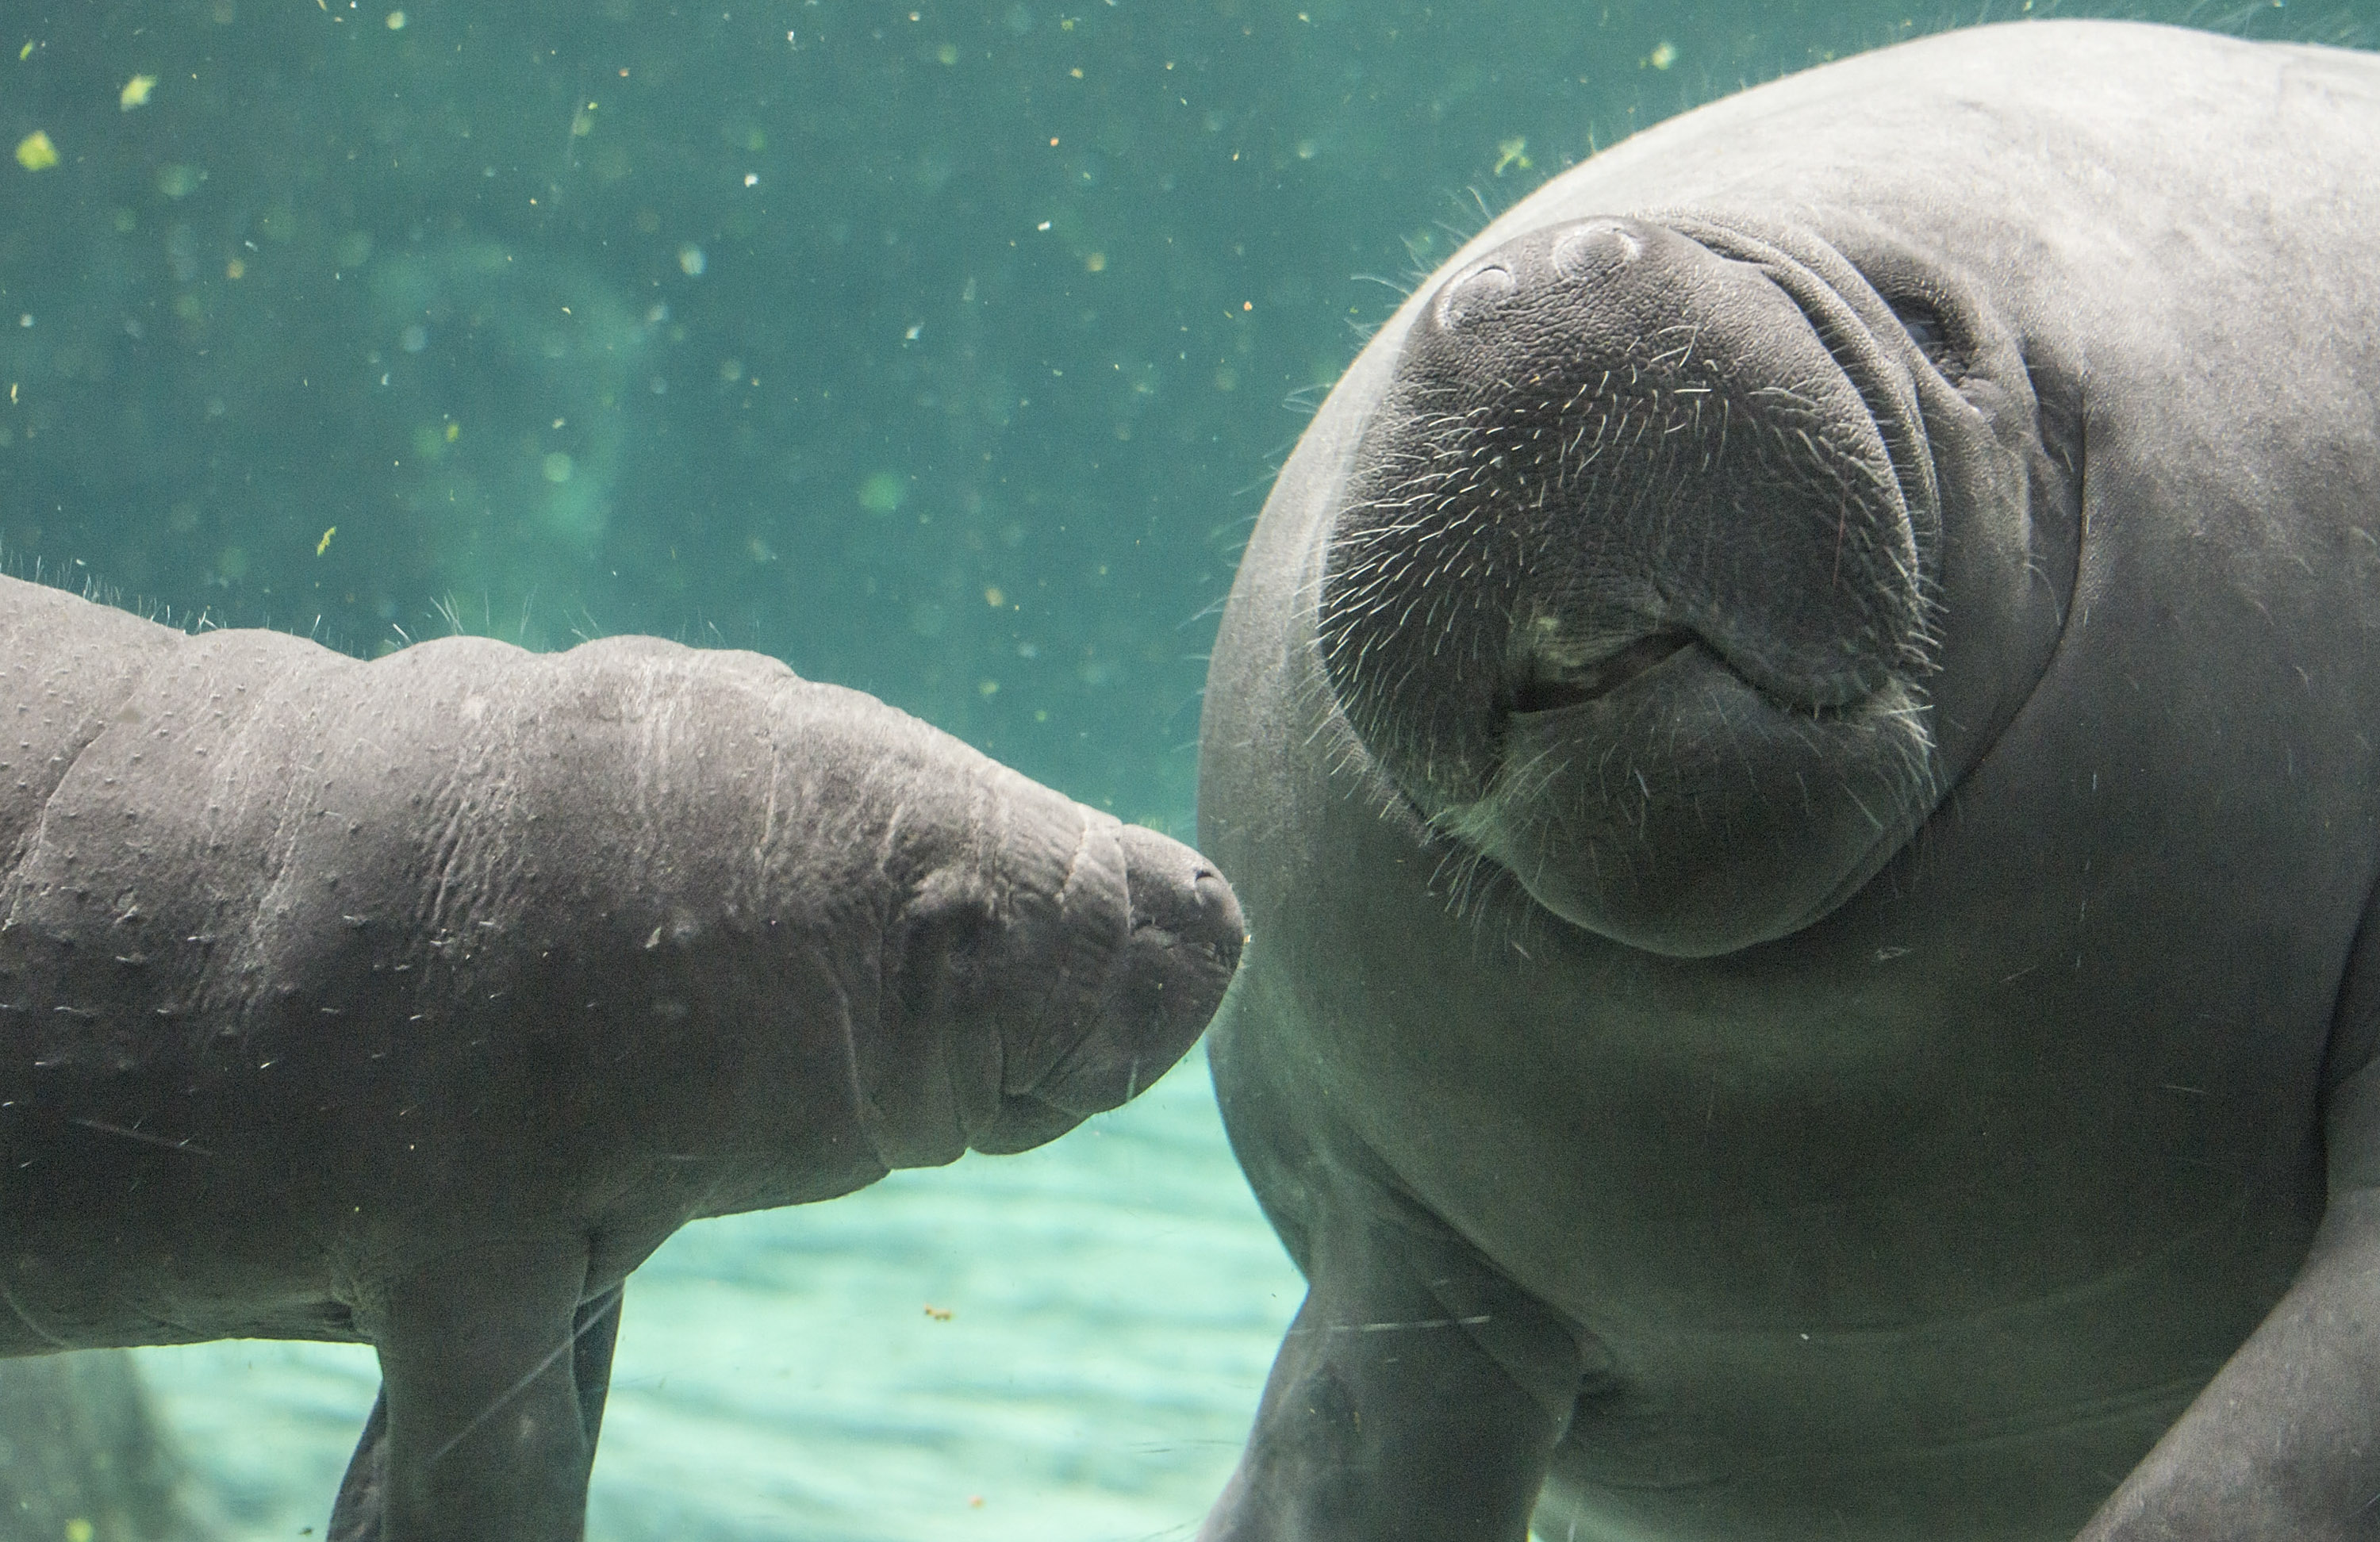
column 1604, row 441
column 1179, row 953
column 1147, row 938
column 1627, row 588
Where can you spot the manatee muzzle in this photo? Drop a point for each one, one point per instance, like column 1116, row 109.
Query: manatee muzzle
column 1628, row 584
column 1606, row 441
column 1167, row 956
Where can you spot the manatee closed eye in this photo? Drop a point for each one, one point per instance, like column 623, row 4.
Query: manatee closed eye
column 1802, row 730
column 415, row 1002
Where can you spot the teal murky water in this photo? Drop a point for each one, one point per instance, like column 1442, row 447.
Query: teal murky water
column 943, row 351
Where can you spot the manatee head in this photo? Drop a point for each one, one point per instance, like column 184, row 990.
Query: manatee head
column 1659, row 552
column 1043, row 962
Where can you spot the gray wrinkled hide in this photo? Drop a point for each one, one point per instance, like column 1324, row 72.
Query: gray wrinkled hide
column 2020, row 1177
column 417, row 1001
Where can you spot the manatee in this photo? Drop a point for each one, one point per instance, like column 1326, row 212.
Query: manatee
column 1801, row 741
column 83, row 1454
column 414, row 1002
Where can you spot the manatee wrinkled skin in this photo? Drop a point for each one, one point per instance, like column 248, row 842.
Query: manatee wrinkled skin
column 1801, row 739
column 417, row 1001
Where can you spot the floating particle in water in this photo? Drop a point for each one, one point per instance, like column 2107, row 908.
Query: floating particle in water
column 174, row 179
column 883, row 493
column 1664, row 54
column 556, row 467
column 135, row 92
column 35, row 152
column 1512, row 153
column 691, row 261
column 415, row 338
column 324, row 544
column 396, row 21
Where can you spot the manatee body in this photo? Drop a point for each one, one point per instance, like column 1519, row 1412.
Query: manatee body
column 83, row 1454
column 1801, row 739
column 417, row 1001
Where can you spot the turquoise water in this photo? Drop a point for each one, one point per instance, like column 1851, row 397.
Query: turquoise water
column 946, row 351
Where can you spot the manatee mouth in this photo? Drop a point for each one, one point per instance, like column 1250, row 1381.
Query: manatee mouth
column 1022, row 1123
column 1544, row 690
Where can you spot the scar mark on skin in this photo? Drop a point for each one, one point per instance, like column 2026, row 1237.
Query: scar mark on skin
column 1392, row 1326
column 191, row 1147
column 523, row 1384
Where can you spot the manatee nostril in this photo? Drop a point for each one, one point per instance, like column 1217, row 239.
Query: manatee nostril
column 1178, row 899
column 1596, row 251
column 1480, row 290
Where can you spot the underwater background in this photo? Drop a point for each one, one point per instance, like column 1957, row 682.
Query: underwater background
column 942, row 350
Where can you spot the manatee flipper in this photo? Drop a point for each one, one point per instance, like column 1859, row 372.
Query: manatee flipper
column 2279, row 1444
column 592, row 1333
column 492, row 1381
column 356, row 1515
column 1401, row 1321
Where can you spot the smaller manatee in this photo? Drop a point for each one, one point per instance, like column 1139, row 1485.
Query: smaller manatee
column 417, row 1001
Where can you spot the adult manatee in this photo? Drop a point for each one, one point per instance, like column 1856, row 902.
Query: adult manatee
column 1800, row 738
column 417, row 1001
